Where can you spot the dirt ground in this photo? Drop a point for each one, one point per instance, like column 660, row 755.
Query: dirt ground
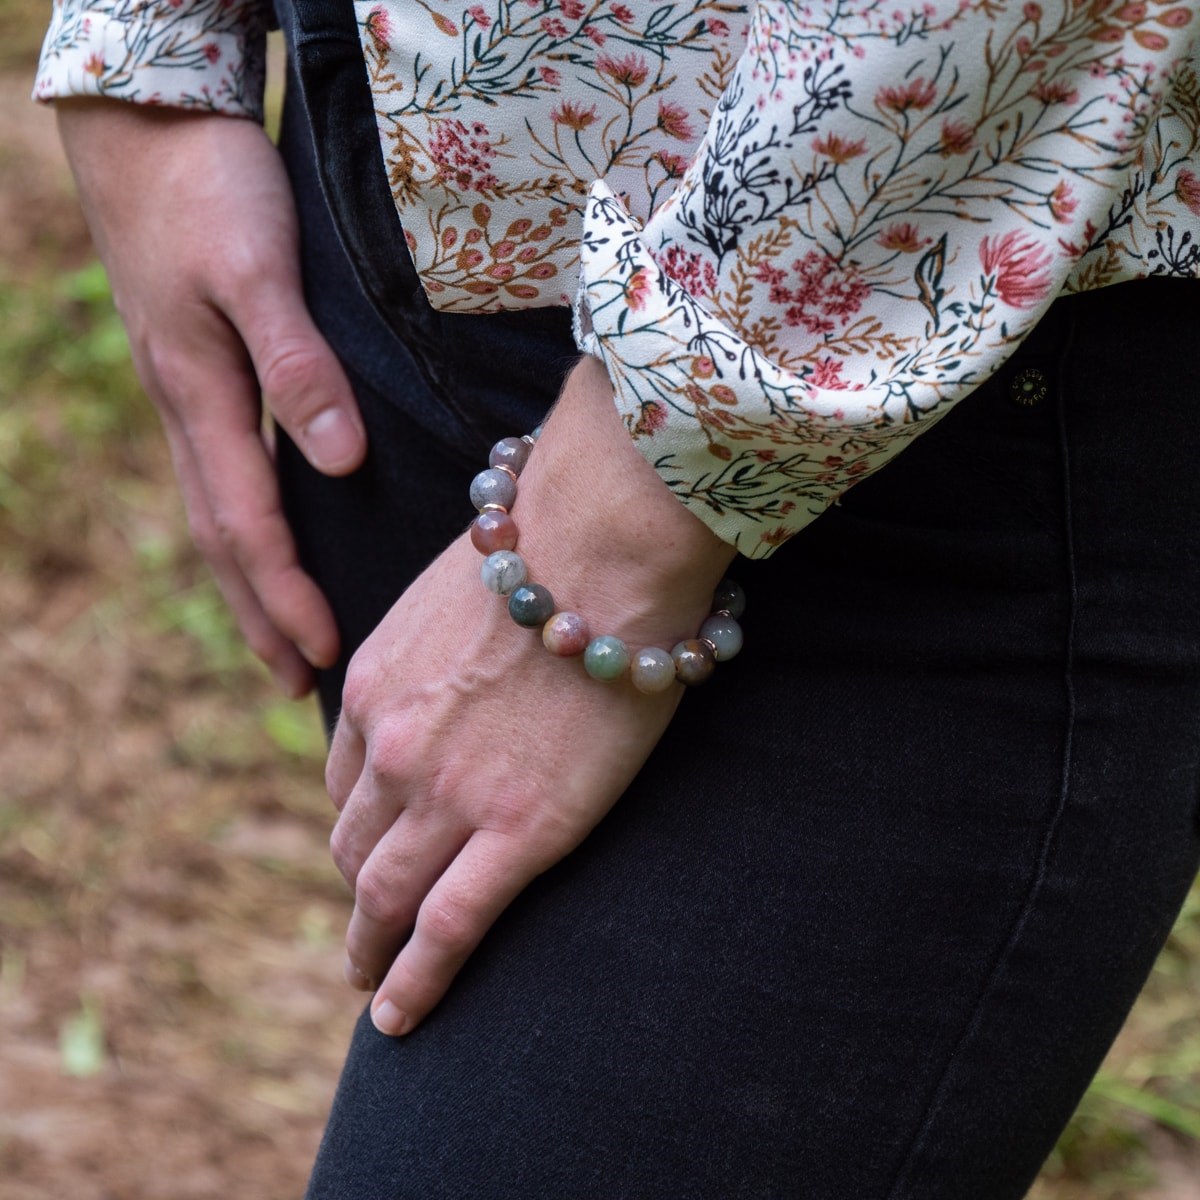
column 172, row 1015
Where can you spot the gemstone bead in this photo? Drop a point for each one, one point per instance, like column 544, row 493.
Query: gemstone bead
column 492, row 531
column 566, row 633
column 730, row 597
column 503, row 572
column 493, row 487
column 724, row 633
column 606, row 658
column 510, row 452
column 652, row 670
column 531, row 605
column 694, row 661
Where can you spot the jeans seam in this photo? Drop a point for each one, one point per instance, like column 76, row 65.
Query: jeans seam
column 940, row 1091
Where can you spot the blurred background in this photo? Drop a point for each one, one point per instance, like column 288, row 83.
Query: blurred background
column 172, row 1015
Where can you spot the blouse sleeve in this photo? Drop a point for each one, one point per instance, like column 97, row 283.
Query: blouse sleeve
column 197, row 54
column 882, row 206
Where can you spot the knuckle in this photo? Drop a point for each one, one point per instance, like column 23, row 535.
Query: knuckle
column 288, row 368
column 344, row 854
column 448, row 922
column 376, row 898
column 355, row 689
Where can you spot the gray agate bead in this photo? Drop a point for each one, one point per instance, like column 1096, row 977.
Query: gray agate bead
column 511, row 452
column 493, row 486
column 652, row 670
column 730, row 598
column 503, row 572
column 724, row 633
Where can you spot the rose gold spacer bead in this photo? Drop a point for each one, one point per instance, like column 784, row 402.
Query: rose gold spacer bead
column 507, row 470
column 494, row 508
column 711, row 645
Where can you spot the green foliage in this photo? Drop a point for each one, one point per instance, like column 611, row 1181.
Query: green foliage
column 81, row 1041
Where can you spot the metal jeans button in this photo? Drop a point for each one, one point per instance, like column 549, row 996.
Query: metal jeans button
column 1028, row 387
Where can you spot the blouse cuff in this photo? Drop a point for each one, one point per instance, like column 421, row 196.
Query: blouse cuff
column 755, row 451
column 206, row 55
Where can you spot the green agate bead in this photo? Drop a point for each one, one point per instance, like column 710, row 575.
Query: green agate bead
column 652, row 670
column 606, row 658
column 531, row 605
column 503, row 571
column 694, row 661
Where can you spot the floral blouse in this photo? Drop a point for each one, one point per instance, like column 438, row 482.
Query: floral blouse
column 795, row 233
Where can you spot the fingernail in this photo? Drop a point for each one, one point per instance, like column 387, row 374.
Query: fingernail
column 331, row 439
column 355, row 978
column 389, row 1019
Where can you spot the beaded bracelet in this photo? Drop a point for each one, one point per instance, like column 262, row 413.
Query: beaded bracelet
column 651, row 669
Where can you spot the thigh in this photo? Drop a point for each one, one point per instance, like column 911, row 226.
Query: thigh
column 877, row 905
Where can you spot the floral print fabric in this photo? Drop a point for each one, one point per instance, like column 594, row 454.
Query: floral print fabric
column 208, row 56
column 796, row 235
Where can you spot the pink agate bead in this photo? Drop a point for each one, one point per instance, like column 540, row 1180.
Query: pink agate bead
column 566, row 633
column 492, row 531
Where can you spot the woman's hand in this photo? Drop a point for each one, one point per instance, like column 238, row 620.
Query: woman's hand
column 193, row 217
column 468, row 758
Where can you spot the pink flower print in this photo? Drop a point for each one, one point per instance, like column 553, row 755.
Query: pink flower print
column 94, row 65
column 828, row 374
column 1019, row 266
column 1174, row 18
column 674, row 164
column 444, row 23
column 550, row 76
column 697, row 276
column 1187, row 188
column 379, row 27
column 571, row 9
column 630, row 69
column 637, row 288
column 1062, row 202
column 824, row 291
column 1055, row 91
column 596, row 35
column 957, row 137
column 717, row 28
column 652, row 418
column 917, row 93
column 553, row 27
column 1032, row 12
column 902, row 236
column 463, row 156
column 479, row 15
column 573, row 116
column 212, row 52
column 839, row 149
column 673, row 120
column 623, row 14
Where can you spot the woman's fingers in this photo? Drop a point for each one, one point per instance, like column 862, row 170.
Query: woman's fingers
column 482, row 881
column 391, row 886
column 290, row 670
column 303, row 385
column 209, row 401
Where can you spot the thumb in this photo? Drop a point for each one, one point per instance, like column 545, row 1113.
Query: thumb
column 303, row 384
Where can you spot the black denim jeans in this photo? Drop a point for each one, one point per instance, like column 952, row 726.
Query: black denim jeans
column 869, row 918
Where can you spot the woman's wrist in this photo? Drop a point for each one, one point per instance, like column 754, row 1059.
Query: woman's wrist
column 602, row 530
